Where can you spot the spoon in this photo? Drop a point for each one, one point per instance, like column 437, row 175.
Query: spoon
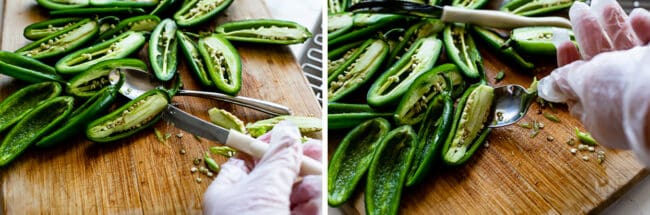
column 137, row 82
column 511, row 102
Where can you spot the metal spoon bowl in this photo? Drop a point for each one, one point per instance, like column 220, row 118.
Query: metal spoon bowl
column 137, row 82
column 511, row 102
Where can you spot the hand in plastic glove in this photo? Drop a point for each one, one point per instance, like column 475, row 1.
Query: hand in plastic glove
column 270, row 186
column 606, row 84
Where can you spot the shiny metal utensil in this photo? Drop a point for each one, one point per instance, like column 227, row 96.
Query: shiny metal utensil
column 488, row 18
column 232, row 138
column 137, row 82
column 511, row 102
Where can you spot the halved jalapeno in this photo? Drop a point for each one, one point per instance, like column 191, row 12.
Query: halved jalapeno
column 194, row 59
column 124, row 3
column 27, row 69
column 20, row 103
column 162, row 50
column 48, row 27
column 63, row 4
column 223, row 63
column 138, row 23
column 536, row 40
column 98, row 11
column 61, row 42
column 340, row 55
column 533, row 8
column 118, row 47
column 90, row 82
column 358, row 69
column 462, row 50
column 196, row 12
column 268, row 31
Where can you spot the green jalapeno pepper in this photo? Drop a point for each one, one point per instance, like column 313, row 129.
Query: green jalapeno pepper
column 34, row 125
column 536, row 40
column 533, row 8
column 162, row 50
column 352, row 159
column 393, row 83
column 80, row 117
column 431, row 136
column 365, row 25
column 129, row 119
column 498, row 44
column 48, row 27
column 63, row 4
column 338, row 24
column 108, row 23
column 26, row 68
column 471, row 4
column 304, row 124
column 358, row 69
column 223, row 63
column 335, row 107
column 267, row 31
column 61, row 42
column 337, row 6
column 194, row 59
column 417, row 31
column 469, row 128
column 196, row 12
column 138, row 23
column 123, row 3
column 20, row 103
column 118, row 47
column 388, row 171
column 162, row 8
column 90, row 82
column 97, row 11
column 338, row 56
column 462, row 50
column 420, row 95
column 343, row 116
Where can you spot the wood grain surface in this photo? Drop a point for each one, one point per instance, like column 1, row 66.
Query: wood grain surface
column 140, row 174
column 514, row 173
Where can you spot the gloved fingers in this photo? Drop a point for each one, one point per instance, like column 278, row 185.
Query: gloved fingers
column 556, row 87
column 278, row 168
column 313, row 149
column 615, row 22
column 640, row 22
column 306, row 195
column 591, row 37
column 233, row 171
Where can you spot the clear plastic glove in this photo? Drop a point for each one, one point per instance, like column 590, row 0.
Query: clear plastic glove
column 271, row 185
column 606, row 83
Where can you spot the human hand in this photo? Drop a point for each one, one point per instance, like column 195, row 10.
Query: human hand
column 605, row 83
column 268, row 186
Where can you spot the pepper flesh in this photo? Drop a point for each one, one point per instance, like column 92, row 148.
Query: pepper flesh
column 27, row 69
column 498, row 44
column 536, row 40
column 162, row 50
column 98, row 11
column 193, row 56
column 34, row 125
column 535, row 7
column 123, row 3
column 223, row 63
column 118, row 47
column 304, row 124
column 340, row 55
column 20, row 103
column 352, row 159
column 195, row 12
column 38, row 30
column 62, row 41
column 393, row 83
column 93, row 80
column 356, row 71
column 462, row 50
column 127, row 120
column 267, row 31
column 144, row 23
column 338, row 24
column 388, row 171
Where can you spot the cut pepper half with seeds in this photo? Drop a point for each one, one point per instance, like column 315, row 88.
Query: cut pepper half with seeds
column 267, row 31
column 223, row 63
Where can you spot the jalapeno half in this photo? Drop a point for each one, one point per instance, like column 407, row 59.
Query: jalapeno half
column 34, row 125
column 420, row 95
column 462, row 50
column 352, row 159
column 498, row 44
column 26, row 68
column 61, row 42
column 469, row 128
column 162, row 50
column 388, row 171
column 80, row 117
column 98, row 11
column 63, row 4
column 124, row 3
column 90, row 82
column 127, row 120
column 223, row 63
column 533, row 8
column 365, row 24
column 139, row 23
column 338, row 56
column 48, row 27
column 536, row 40
column 196, row 12
column 419, row 30
column 118, row 47
column 393, row 83
column 338, row 24
column 193, row 58
column 343, row 116
column 358, row 69
column 268, row 31
column 20, row 103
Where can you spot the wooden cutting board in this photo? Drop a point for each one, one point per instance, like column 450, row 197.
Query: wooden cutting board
column 140, row 174
column 517, row 174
